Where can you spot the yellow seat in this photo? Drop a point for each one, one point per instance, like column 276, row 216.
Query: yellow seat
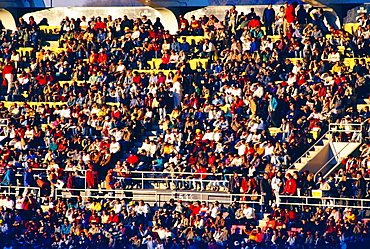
column 25, row 52
column 198, row 63
column 295, row 60
column 274, row 38
column 350, row 27
column 57, row 50
column 50, row 29
column 156, row 63
column 225, row 108
column 273, row 131
column 192, row 39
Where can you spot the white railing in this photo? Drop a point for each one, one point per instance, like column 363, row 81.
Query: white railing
column 19, row 190
column 160, row 197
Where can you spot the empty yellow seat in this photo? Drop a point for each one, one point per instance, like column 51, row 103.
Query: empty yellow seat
column 274, row 38
column 50, row 29
column 198, row 63
column 25, row 52
column 350, row 27
column 192, row 39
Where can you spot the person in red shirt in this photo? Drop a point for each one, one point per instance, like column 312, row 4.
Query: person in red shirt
column 198, row 178
column 290, row 16
column 99, row 24
column 290, row 187
column 8, row 75
column 132, row 159
column 195, row 208
column 115, row 113
column 94, row 219
column 198, row 135
column 183, row 25
column 113, row 218
column 195, row 26
column 93, row 58
column 102, row 57
column 236, row 107
column 165, row 60
column 91, row 177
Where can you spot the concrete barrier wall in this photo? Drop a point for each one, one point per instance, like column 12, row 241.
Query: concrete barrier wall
column 219, row 12
column 55, row 15
column 7, row 19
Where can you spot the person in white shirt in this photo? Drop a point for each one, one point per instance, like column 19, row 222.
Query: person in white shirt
column 8, row 203
column 276, row 184
column 65, row 112
column 177, row 93
column 142, row 208
column 169, row 137
column 114, row 147
column 249, row 213
column 241, row 146
column 209, row 135
column 161, row 232
column 215, row 210
column 259, row 92
column 146, row 145
column 19, row 202
column 269, row 150
column 208, row 49
column 149, row 242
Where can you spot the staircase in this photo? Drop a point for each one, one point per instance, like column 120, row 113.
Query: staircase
column 315, row 153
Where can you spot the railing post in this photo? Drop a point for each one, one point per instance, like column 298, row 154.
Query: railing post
column 142, row 180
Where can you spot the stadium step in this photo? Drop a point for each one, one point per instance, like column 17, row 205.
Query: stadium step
column 150, row 133
column 53, row 44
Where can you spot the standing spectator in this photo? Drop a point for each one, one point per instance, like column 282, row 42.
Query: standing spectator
column 234, row 185
column 290, row 16
column 268, row 19
column 266, row 192
column 345, row 189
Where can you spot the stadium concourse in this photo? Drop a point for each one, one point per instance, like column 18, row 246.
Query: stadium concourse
column 96, row 110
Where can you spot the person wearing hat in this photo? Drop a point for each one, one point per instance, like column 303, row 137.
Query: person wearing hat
column 290, row 187
column 149, row 242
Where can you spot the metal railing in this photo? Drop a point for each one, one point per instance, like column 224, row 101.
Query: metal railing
column 256, row 200
column 160, row 197
column 19, row 190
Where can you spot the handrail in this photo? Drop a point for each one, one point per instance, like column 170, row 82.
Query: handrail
column 224, row 198
column 309, row 149
column 230, row 198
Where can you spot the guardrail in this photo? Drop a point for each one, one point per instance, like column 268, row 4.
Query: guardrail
column 256, row 200
column 160, row 197
column 19, row 190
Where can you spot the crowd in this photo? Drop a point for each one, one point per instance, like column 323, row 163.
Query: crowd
column 214, row 119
